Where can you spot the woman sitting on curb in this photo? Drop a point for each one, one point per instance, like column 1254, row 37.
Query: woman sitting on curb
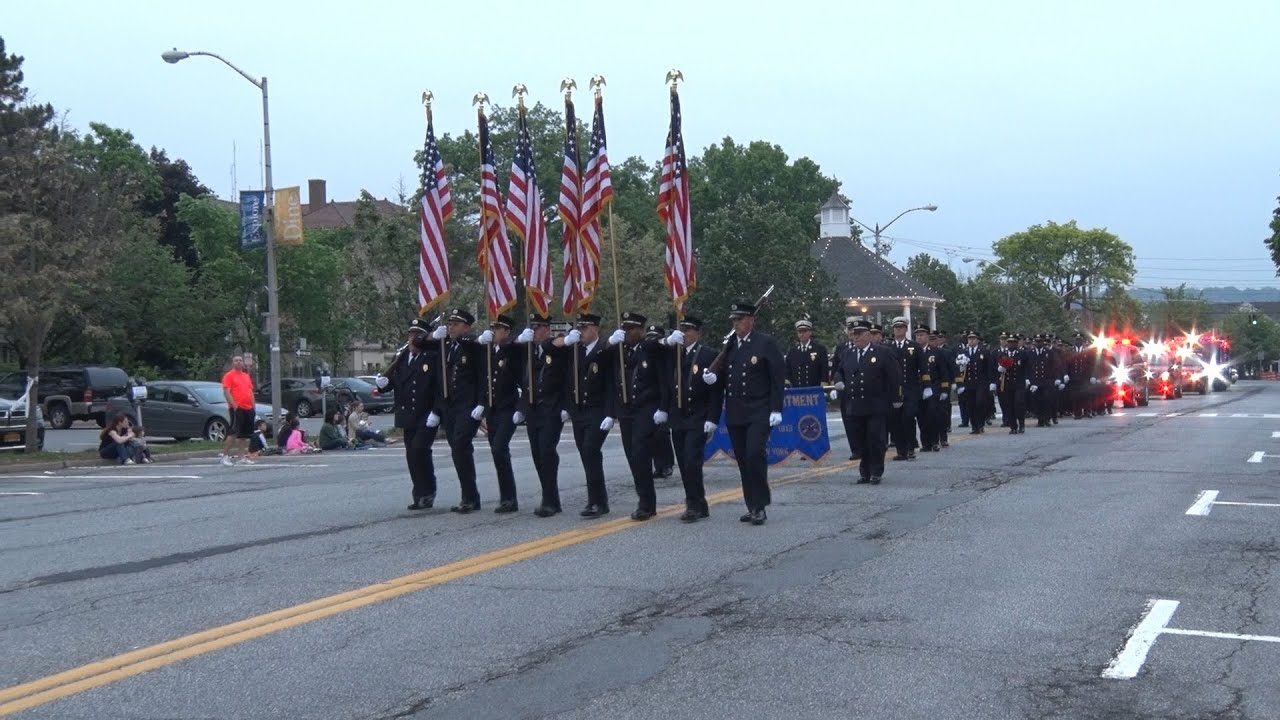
column 333, row 434
column 114, row 441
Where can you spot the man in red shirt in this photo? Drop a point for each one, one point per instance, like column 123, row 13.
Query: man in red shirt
column 237, row 386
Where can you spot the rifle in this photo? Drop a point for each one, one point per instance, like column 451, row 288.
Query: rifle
column 724, row 350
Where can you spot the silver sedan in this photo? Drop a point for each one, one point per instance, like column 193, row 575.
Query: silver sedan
column 182, row 410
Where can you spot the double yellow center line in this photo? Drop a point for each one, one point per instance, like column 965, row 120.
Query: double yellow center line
column 126, row 665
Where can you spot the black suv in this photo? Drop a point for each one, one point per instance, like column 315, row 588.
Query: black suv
column 68, row 394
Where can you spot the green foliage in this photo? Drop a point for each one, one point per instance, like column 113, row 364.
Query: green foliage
column 1118, row 309
column 1273, row 242
column 728, row 173
column 1067, row 260
column 1179, row 312
column 1252, row 345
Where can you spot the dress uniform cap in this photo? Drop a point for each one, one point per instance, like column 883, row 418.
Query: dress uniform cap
column 922, row 328
column 462, row 316
column 971, row 334
column 654, row 331
column 503, row 320
column 691, row 323
column 588, row 319
column 419, row 325
column 539, row 319
column 876, row 327
column 805, row 322
column 739, row 309
column 939, row 333
column 632, row 319
column 900, row 321
column 859, row 324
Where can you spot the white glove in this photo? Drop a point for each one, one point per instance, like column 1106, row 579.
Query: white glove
column 564, row 416
column 943, row 397
column 517, row 417
column 433, row 420
column 709, row 377
column 991, row 387
column 928, row 393
column 839, row 385
column 835, row 394
column 708, row 428
column 659, row 417
column 440, row 333
column 1066, row 379
column 617, row 337
column 485, row 338
column 962, row 360
column 897, row 406
column 477, row 412
column 1035, row 388
column 1093, row 381
column 380, row 381
column 572, row 337
column 960, row 390
column 1057, row 384
column 525, row 336
column 1000, row 369
column 775, row 419
column 1026, row 383
column 675, row 338
column 606, row 424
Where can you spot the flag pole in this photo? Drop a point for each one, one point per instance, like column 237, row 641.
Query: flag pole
column 674, row 77
column 479, row 101
column 617, row 292
column 567, row 86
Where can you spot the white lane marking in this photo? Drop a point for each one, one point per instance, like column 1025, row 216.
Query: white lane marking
column 1247, row 504
column 106, row 477
column 1148, row 414
column 1129, row 660
column 1204, row 503
column 1118, row 414
column 1221, row 635
column 1207, row 415
column 1257, row 457
column 20, row 493
column 1275, row 434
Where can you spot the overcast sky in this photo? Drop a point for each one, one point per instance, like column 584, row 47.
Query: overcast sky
column 1157, row 120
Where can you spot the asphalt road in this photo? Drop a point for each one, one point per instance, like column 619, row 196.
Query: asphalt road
column 999, row 579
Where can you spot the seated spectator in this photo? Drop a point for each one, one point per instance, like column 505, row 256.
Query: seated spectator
column 359, row 425
column 286, row 429
column 297, row 443
column 138, row 445
column 258, row 445
column 113, row 441
column 333, row 435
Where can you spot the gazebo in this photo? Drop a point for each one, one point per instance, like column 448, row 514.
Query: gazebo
column 869, row 284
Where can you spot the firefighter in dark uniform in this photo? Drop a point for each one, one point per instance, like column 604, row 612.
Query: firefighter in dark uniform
column 979, row 382
column 505, row 367
column 836, row 356
column 591, row 406
column 807, row 360
column 902, row 419
column 641, row 397
column 933, row 374
column 753, row 383
column 1080, row 376
column 460, row 400
column 867, row 385
column 1012, row 369
column 544, row 403
column 412, row 377
column 946, row 361
column 664, row 457
column 1042, row 371
column 694, row 413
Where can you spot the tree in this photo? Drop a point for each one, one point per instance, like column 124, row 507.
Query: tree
column 1120, row 311
column 175, row 180
column 1273, row 242
column 16, row 114
column 1179, row 312
column 1067, row 260
column 1252, row 345
column 727, row 173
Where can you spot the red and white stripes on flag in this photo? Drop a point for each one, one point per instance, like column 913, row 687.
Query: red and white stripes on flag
column 570, row 207
column 494, row 252
column 673, row 208
column 597, row 193
column 524, row 214
column 437, row 206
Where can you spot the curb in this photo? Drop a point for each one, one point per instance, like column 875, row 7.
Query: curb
column 71, row 464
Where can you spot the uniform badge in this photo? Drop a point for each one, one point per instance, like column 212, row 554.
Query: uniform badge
column 463, row 360
column 644, row 363
column 425, row 367
column 911, row 350
column 932, row 358
column 502, row 363
column 754, row 359
column 695, row 368
column 595, row 368
column 873, row 358
column 813, row 356
column 548, row 360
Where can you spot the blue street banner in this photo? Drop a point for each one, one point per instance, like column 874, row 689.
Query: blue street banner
column 803, row 429
column 253, row 227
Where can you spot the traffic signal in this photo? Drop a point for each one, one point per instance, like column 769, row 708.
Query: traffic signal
column 1253, row 318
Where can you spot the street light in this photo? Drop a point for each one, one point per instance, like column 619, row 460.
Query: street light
column 883, row 248
column 983, row 263
column 273, row 301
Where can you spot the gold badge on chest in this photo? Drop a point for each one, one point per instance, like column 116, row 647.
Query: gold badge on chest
column 754, row 359
column 644, row 363
column 873, row 358
column 502, row 363
column 548, row 360
column 426, row 368
column 595, row 368
column 813, row 356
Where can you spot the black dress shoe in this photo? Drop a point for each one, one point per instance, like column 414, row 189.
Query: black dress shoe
column 591, row 511
column 663, row 472
column 946, row 444
column 691, row 515
column 747, row 516
column 1022, row 430
column 642, row 514
column 507, row 506
column 423, row 503
column 875, row 480
column 854, row 458
column 936, row 448
column 911, row 455
column 758, row 517
column 544, row 511
column 863, row 481
column 465, row 508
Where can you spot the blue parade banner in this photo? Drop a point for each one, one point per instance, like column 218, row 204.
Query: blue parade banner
column 803, row 429
column 253, row 228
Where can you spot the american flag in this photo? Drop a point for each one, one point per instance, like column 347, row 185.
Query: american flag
column 494, row 252
column 597, row 193
column 570, row 212
column 673, row 208
column 524, row 214
column 437, row 206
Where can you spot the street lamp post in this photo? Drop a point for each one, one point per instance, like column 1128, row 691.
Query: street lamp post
column 273, row 299
column 881, row 247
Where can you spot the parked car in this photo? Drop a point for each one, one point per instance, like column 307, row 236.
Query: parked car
column 68, row 394
column 298, row 396
column 353, row 388
column 183, row 410
column 13, row 418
